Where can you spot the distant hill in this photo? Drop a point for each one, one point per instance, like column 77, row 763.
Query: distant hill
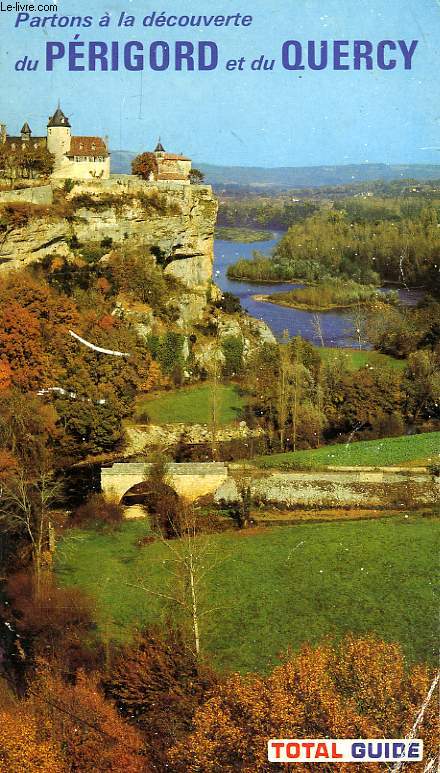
column 313, row 176
column 121, row 161
column 296, row 176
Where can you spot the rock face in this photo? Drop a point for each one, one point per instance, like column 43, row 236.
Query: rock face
column 32, row 242
column 183, row 231
column 175, row 222
column 142, row 438
column 38, row 194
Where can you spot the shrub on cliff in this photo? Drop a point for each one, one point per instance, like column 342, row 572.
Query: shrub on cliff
column 232, row 348
column 137, row 276
column 229, row 303
column 18, row 215
column 157, row 203
column 101, row 202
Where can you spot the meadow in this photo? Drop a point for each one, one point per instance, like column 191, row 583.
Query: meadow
column 190, row 405
column 423, row 449
column 354, row 359
column 275, row 588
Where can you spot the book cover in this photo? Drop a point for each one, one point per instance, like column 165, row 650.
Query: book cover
column 219, row 386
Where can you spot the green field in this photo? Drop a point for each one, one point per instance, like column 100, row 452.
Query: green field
column 356, row 358
column 276, row 588
column 191, row 405
column 423, row 448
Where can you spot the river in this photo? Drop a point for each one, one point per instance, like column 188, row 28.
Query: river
column 338, row 328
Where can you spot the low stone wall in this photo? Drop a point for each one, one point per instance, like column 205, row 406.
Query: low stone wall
column 127, row 183
column 345, row 489
column 42, row 195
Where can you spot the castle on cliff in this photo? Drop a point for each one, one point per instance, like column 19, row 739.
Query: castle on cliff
column 77, row 158
column 88, row 158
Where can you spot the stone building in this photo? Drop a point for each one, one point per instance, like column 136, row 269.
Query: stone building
column 24, row 138
column 171, row 166
column 88, row 157
column 77, row 158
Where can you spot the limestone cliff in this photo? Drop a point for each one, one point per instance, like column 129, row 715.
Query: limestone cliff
column 181, row 228
column 175, row 222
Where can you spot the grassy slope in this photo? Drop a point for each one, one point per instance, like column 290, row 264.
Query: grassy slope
column 355, row 358
column 380, row 453
column 191, row 405
column 279, row 587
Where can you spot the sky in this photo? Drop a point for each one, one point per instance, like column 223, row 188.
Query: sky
column 273, row 118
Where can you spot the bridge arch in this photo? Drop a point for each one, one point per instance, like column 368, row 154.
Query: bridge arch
column 189, row 479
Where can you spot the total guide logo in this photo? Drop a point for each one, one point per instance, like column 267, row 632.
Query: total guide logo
column 345, row 750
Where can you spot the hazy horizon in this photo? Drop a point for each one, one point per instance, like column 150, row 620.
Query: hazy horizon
column 299, row 165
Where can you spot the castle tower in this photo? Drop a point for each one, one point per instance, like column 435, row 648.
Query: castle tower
column 159, row 149
column 25, row 132
column 58, row 136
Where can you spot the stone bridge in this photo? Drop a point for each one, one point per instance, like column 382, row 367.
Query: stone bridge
column 343, row 487
column 190, row 480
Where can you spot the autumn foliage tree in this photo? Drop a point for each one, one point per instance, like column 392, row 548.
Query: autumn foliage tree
column 155, row 378
column 28, row 429
column 86, row 726
column 5, row 375
column 21, row 347
column 88, row 393
column 157, row 684
column 25, row 746
column 144, row 165
column 25, row 160
column 57, row 623
column 68, row 726
column 359, row 689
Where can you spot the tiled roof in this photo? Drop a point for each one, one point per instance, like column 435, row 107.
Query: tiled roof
column 87, row 146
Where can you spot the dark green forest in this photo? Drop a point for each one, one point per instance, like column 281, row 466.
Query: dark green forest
column 370, row 240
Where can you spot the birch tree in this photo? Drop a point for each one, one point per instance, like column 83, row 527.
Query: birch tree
column 296, row 388
column 25, row 505
column 215, row 374
column 189, row 559
column 284, row 387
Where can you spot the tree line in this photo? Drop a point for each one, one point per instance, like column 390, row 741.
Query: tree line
column 334, row 243
column 303, row 402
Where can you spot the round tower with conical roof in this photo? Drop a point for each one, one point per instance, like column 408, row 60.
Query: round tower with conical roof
column 58, row 136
